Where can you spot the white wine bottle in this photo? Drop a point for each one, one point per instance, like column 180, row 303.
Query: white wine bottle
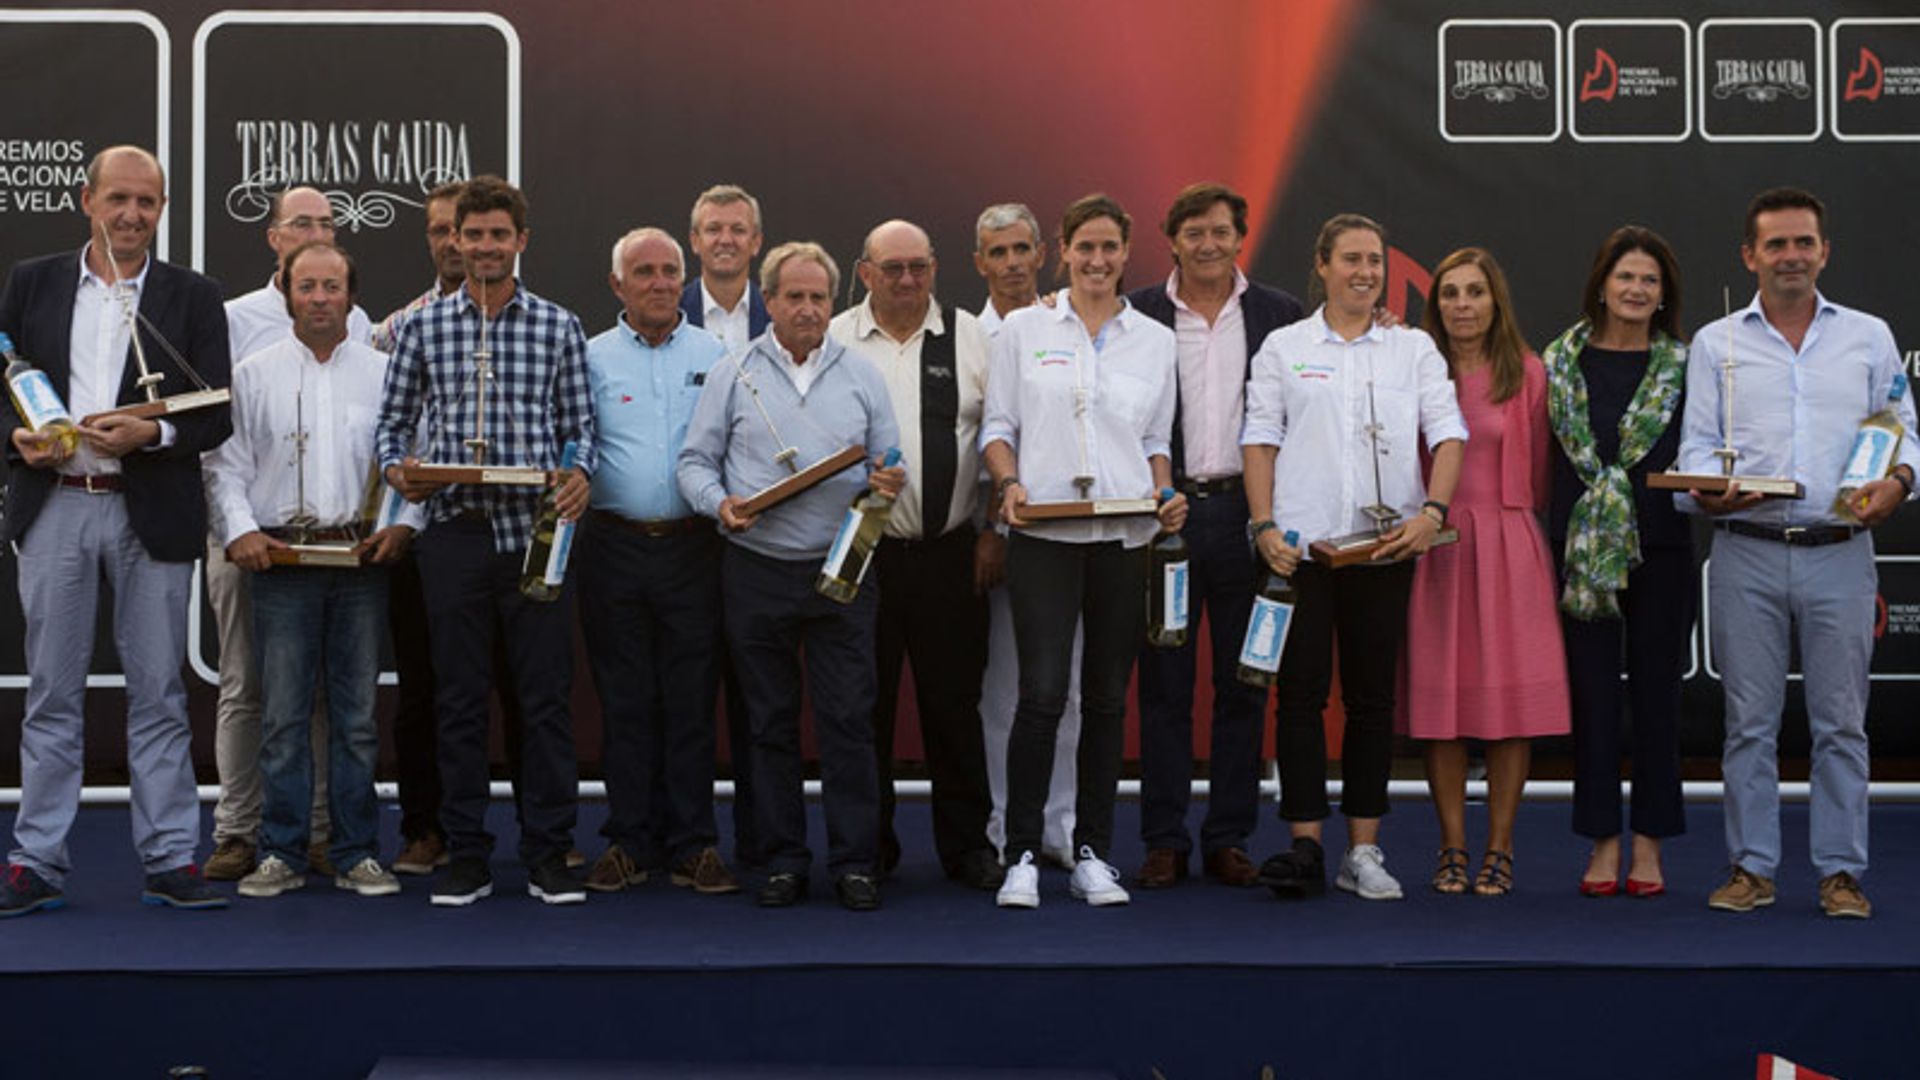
column 546, row 567
column 1167, row 589
column 853, row 545
column 1876, row 448
column 35, row 399
column 1267, row 626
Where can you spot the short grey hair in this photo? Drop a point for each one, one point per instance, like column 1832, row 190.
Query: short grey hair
column 1005, row 216
column 723, row 195
column 805, row 250
column 644, row 232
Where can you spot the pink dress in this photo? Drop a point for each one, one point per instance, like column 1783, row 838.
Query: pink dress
column 1483, row 658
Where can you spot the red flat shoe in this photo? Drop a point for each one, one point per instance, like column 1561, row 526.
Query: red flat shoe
column 1601, row 888
column 1645, row 889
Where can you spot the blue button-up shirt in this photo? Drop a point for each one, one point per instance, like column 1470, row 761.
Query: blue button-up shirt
column 539, row 399
column 1794, row 413
column 643, row 397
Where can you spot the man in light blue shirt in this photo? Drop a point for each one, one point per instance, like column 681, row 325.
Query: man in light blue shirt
column 1805, row 373
column 650, row 582
column 798, row 382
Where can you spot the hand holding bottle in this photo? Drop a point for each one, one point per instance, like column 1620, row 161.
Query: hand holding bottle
column 1279, row 555
column 571, row 494
column 885, row 479
column 40, row 449
column 1172, row 513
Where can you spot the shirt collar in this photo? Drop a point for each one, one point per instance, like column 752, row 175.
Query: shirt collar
column 139, row 281
column 519, row 294
column 779, row 350
column 1821, row 307
column 1063, row 311
column 708, row 303
column 673, row 335
column 1329, row 334
column 1173, row 289
column 865, row 325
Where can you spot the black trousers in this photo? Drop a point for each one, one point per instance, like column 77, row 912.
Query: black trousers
column 1657, row 611
column 1053, row 586
column 650, row 615
column 1365, row 607
column 1221, row 582
column 931, row 615
column 415, row 745
column 773, row 615
column 473, row 599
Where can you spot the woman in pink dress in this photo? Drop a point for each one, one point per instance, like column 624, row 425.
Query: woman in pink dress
column 1483, row 656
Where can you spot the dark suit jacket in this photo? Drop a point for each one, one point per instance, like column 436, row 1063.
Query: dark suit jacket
column 1263, row 310
column 697, row 313
column 166, row 503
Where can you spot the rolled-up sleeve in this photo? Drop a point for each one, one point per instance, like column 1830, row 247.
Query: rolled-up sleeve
column 1440, row 417
column 1266, row 416
column 1000, row 421
column 1157, row 440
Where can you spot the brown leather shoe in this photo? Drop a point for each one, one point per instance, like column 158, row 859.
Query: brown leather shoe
column 1841, row 898
column 232, row 859
column 1230, row 866
column 615, row 870
column 705, row 873
column 1164, row 867
column 422, row 855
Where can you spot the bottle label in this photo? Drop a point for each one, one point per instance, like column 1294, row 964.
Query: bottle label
column 1173, row 584
column 557, row 555
column 1266, row 634
column 1873, row 450
column 842, row 543
column 38, row 401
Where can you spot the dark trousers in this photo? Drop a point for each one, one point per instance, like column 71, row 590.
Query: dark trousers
column 746, row 842
column 473, row 597
column 1366, row 607
column 1221, row 579
column 650, row 613
column 931, row 615
column 415, row 746
column 773, row 613
column 1657, row 611
column 1053, row 586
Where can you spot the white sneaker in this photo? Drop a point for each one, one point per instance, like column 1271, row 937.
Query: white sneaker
column 1363, row 872
column 271, row 878
column 1095, row 882
column 368, row 878
column 1022, row 887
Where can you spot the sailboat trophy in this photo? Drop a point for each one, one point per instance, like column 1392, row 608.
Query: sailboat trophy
column 1784, row 487
column 1362, row 546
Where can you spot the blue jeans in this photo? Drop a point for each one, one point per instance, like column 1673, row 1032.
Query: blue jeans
column 308, row 622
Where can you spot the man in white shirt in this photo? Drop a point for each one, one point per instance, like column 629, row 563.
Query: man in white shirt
column 1009, row 254
column 296, row 471
column 930, row 560
column 256, row 320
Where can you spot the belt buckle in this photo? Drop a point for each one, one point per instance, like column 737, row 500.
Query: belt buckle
column 87, row 481
column 1792, row 533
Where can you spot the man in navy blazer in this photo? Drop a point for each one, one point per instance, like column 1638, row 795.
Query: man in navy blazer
column 724, row 300
column 1219, row 319
column 125, row 506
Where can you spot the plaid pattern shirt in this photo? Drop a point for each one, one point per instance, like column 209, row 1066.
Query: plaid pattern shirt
column 539, row 398
column 386, row 333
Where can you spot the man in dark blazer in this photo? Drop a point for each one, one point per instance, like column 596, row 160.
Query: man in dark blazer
column 1219, row 319
column 125, row 505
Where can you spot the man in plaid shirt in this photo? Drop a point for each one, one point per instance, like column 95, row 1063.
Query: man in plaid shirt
column 537, row 399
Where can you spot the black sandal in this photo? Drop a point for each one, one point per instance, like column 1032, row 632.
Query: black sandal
column 1496, row 874
column 1450, row 878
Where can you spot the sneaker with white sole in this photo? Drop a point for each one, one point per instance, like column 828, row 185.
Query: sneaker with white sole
column 368, row 878
column 1095, row 881
column 1363, row 872
column 271, row 878
column 1022, row 887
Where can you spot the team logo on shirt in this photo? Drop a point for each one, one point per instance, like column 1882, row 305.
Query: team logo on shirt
column 1050, row 357
column 1305, row 370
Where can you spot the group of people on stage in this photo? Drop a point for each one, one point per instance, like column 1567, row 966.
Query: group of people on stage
column 1524, row 562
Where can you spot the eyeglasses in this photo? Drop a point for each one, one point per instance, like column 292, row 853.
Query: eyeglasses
column 307, row 222
column 894, row 269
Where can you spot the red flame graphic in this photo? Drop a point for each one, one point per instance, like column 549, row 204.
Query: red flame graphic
column 1864, row 81
column 1603, row 81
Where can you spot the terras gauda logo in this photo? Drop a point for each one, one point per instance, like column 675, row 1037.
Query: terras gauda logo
column 366, row 170
column 1500, row 80
column 1761, row 81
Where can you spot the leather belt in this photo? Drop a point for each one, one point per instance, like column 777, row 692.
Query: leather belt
column 330, row 535
column 657, row 528
column 1793, row 535
column 1201, row 489
column 93, row 483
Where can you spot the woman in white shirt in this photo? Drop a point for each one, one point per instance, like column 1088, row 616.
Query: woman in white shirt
column 1079, row 406
column 1336, row 411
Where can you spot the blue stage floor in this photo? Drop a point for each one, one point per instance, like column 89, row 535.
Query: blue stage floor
column 1199, row 980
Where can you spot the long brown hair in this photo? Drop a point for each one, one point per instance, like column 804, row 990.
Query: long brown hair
column 1506, row 347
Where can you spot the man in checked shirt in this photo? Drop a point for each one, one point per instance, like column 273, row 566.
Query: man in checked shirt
column 470, row 555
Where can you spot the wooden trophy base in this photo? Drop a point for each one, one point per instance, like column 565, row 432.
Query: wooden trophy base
column 338, row 556
column 499, row 475
column 166, row 406
column 769, row 497
column 1088, row 508
column 1773, row 487
column 1357, row 548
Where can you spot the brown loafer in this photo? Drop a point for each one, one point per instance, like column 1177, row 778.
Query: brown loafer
column 1163, row 867
column 1230, row 866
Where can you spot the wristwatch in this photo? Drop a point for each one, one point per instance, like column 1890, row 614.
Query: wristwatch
column 1255, row 528
column 1000, row 489
column 1437, row 506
